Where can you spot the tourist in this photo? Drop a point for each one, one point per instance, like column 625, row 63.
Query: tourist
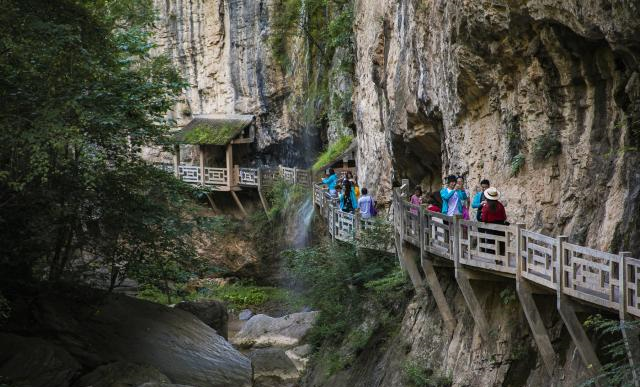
column 347, row 197
column 432, row 203
column 416, row 199
column 478, row 199
column 453, row 197
column 493, row 211
column 366, row 205
column 331, row 180
column 465, row 202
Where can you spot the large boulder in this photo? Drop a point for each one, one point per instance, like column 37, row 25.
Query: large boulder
column 211, row 312
column 265, row 331
column 34, row 362
column 121, row 374
column 273, row 368
column 101, row 328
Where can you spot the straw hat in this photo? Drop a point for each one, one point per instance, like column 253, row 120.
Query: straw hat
column 492, row 193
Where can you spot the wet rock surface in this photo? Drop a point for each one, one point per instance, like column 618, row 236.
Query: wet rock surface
column 211, row 312
column 121, row 374
column 94, row 329
column 35, row 362
column 265, row 331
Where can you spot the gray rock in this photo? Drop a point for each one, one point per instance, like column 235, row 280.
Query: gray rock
column 211, row 312
column 156, row 384
column 299, row 356
column 117, row 327
column 35, row 362
column 121, row 374
column 272, row 368
column 264, row 331
column 245, row 315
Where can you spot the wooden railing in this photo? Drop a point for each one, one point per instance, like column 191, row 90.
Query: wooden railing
column 243, row 177
column 592, row 276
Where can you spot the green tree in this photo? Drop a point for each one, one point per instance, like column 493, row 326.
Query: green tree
column 81, row 95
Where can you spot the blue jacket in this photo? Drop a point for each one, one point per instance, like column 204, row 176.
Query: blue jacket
column 331, row 182
column 446, row 195
column 477, row 199
column 354, row 202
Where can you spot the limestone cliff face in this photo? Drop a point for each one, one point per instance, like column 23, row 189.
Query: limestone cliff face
column 470, row 87
column 222, row 50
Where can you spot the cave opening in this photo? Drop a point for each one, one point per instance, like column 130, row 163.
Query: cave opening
column 418, row 151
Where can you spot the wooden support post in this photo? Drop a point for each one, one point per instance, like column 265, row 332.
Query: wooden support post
column 531, row 312
column 213, row 205
column 263, row 200
column 568, row 315
column 229, row 164
column 176, row 160
column 201, row 153
column 438, row 295
column 629, row 333
column 465, row 286
column 409, row 257
column 237, row 200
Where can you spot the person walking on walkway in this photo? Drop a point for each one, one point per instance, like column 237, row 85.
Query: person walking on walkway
column 348, row 201
column 479, row 199
column 331, row 180
column 366, row 205
column 465, row 202
column 416, row 199
column 453, row 197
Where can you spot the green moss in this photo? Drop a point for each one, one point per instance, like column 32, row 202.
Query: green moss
column 546, row 146
column 517, row 162
column 203, row 134
column 334, row 150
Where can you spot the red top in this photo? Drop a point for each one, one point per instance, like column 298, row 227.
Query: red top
column 434, row 208
column 497, row 216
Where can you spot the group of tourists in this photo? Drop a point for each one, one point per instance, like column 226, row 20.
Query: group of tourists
column 453, row 199
column 349, row 194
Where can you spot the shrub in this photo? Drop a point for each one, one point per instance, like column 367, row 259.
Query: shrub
column 517, row 163
column 416, row 373
column 545, row 147
column 618, row 371
column 332, row 152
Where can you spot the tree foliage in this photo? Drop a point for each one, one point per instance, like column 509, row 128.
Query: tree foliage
column 81, row 95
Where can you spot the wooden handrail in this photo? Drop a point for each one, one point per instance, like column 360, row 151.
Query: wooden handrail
column 583, row 273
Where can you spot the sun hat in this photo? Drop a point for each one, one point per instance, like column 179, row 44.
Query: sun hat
column 492, row 193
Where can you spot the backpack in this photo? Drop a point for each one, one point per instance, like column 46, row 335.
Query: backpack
column 372, row 208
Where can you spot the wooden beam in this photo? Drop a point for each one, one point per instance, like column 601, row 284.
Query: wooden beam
column 531, row 312
column 465, row 287
column 539, row 331
column 201, row 154
column 237, row 200
column 409, row 256
column 213, row 205
column 630, row 333
column 438, row 295
column 176, row 160
column 568, row 315
column 229, row 164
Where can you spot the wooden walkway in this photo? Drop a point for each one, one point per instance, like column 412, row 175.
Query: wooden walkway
column 539, row 264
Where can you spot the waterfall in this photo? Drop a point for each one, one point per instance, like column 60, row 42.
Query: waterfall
column 299, row 223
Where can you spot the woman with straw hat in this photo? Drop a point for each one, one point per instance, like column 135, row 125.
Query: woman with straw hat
column 493, row 211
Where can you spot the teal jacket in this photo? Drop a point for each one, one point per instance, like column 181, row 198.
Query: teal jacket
column 331, row 182
column 477, row 199
column 446, row 195
column 354, row 202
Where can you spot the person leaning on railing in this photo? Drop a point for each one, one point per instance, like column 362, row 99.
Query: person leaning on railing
column 331, row 180
column 493, row 212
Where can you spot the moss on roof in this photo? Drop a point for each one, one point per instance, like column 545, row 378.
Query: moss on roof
column 332, row 153
column 213, row 131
